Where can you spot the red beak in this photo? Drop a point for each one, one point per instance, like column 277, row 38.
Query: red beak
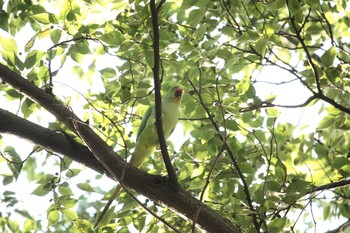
column 178, row 92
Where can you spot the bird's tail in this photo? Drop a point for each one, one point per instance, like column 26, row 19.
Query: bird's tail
column 104, row 211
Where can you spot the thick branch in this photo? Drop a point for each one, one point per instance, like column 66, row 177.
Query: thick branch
column 154, row 187
column 50, row 139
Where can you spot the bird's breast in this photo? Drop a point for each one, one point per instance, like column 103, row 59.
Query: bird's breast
column 170, row 117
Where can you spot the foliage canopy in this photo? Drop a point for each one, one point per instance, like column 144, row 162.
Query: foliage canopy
column 245, row 65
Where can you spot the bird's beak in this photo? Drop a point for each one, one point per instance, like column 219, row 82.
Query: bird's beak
column 178, row 93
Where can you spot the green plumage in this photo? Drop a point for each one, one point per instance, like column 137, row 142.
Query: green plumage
column 147, row 137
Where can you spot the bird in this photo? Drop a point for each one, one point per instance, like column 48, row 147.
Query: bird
column 147, row 137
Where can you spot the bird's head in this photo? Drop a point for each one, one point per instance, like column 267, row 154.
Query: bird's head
column 175, row 94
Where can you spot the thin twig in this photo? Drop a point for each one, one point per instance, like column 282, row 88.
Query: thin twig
column 306, row 50
column 234, row 161
column 207, row 181
column 158, row 98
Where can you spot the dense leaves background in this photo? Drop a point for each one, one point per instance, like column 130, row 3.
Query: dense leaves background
column 233, row 58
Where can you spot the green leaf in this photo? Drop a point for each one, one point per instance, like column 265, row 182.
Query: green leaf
column 314, row 29
column 77, row 57
column 346, row 168
column 4, row 20
column 246, row 168
column 24, row 213
column 261, row 46
column 277, row 225
column 32, row 58
column 326, row 211
column 185, row 171
column 71, row 16
column 53, row 217
column 201, row 152
column 273, row 185
column 66, row 162
column 64, row 189
column 70, row 214
column 29, row 226
column 114, row 38
column 13, row 94
column 197, row 184
column 108, row 73
column 315, row 4
column 294, row 6
column 186, row 47
column 196, row 16
column 8, row 44
column 45, row 18
column 42, row 190
column 141, row 223
column 199, row 33
column 14, row 161
column 85, row 187
column 72, row 172
column 149, row 57
column 243, row 86
column 339, row 162
column 68, row 203
column 328, row 57
column 280, row 4
column 295, row 190
column 326, row 122
column 197, row 171
column 84, row 226
column 260, row 135
column 55, row 36
column 248, row 37
column 13, row 226
column 272, row 112
column 28, row 107
column 280, row 171
column 7, row 179
column 188, row 3
column 44, row 33
column 82, row 47
column 30, row 44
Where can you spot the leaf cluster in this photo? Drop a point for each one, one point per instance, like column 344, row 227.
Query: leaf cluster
column 237, row 156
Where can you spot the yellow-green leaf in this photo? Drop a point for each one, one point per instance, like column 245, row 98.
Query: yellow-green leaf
column 8, row 44
column 53, row 217
column 328, row 57
column 70, row 214
column 45, row 18
column 86, row 187
column 261, row 46
column 272, row 112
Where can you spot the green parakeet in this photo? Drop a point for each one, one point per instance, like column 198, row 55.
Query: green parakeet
column 147, row 138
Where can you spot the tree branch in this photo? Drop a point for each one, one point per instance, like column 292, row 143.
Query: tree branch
column 157, row 188
column 234, row 161
column 53, row 140
column 337, row 184
column 315, row 96
column 306, row 50
column 265, row 104
column 158, row 98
